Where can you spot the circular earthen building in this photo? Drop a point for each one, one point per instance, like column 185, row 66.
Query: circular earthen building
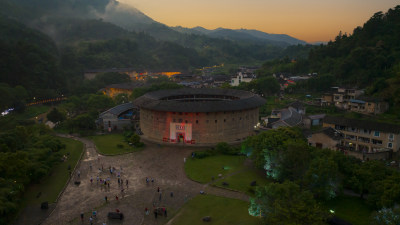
column 198, row 116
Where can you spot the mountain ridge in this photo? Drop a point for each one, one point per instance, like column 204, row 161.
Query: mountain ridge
column 241, row 34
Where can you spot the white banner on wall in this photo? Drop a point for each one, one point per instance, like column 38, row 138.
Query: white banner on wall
column 183, row 129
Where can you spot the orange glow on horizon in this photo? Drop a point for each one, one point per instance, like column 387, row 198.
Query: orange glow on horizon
column 310, row 20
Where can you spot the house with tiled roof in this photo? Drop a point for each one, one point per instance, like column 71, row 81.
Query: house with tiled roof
column 328, row 137
column 284, row 118
column 119, row 117
column 366, row 139
column 368, row 105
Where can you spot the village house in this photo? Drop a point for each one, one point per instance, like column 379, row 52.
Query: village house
column 219, row 80
column 124, row 88
column 313, row 120
column 242, row 77
column 368, row 105
column 365, row 139
column 131, row 72
column 342, row 96
column 284, row 118
column 326, row 138
column 119, row 117
column 353, row 100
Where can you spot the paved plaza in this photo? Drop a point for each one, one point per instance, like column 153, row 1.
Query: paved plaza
column 165, row 164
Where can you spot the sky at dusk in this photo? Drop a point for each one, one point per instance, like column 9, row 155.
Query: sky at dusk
column 309, row 20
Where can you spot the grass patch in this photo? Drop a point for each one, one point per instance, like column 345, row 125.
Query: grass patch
column 202, row 170
column 351, row 209
column 241, row 181
column 33, row 111
column 221, row 210
column 51, row 186
column 112, row 144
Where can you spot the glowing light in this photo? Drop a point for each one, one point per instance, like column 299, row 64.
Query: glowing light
column 331, row 211
column 7, row 111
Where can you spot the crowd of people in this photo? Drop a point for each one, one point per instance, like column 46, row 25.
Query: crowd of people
column 104, row 180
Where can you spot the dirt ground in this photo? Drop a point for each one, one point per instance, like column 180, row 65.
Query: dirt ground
column 165, row 164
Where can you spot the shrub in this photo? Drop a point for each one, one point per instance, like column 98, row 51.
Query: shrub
column 204, row 154
column 139, row 144
column 226, row 149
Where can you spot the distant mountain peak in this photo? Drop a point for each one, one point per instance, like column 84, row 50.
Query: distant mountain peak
column 243, row 34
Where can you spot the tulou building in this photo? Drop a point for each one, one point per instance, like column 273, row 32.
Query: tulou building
column 198, row 116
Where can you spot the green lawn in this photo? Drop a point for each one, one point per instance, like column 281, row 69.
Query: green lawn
column 51, row 186
column 33, row 111
column 202, row 170
column 238, row 176
column 221, row 210
column 351, row 209
column 241, row 181
column 107, row 144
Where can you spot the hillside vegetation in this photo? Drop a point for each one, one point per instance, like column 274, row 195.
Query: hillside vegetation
column 367, row 59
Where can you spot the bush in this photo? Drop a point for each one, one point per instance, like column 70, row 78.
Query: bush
column 204, row 154
column 135, row 139
column 127, row 135
column 226, row 149
column 140, row 144
column 251, row 190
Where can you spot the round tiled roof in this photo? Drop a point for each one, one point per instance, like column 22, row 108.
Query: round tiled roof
column 199, row 100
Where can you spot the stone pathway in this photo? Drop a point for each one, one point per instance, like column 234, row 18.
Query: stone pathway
column 163, row 163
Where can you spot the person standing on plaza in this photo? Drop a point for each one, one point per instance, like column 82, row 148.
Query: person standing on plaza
column 94, row 213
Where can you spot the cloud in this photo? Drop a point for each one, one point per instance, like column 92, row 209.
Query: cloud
column 122, row 15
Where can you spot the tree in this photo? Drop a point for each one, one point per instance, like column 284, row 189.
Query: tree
column 294, row 162
column 135, row 139
column 264, row 147
column 99, row 102
column 287, row 204
column 366, row 176
column 121, row 98
column 322, row 177
column 55, row 116
column 386, row 216
column 385, row 192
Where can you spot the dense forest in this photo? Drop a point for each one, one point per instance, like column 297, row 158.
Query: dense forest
column 27, row 154
column 369, row 58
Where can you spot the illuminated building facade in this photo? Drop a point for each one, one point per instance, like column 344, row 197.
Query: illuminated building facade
column 198, row 116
